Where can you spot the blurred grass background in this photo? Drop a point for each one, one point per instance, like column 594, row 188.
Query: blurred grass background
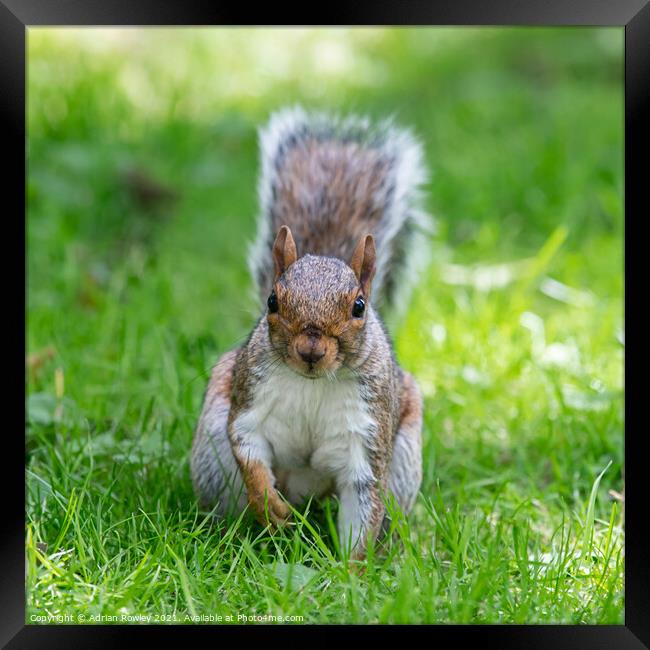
column 142, row 168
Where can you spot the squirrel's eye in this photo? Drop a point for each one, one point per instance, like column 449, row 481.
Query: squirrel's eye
column 359, row 307
column 272, row 303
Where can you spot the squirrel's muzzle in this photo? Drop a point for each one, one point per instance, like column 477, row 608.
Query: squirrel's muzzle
column 311, row 356
column 310, row 347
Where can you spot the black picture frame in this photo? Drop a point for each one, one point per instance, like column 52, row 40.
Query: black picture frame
column 16, row 16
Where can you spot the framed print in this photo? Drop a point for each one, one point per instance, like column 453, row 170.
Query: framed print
column 326, row 321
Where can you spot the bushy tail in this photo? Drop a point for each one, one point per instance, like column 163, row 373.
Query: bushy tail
column 333, row 179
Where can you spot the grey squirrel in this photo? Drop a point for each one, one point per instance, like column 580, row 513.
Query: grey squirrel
column 314, row 403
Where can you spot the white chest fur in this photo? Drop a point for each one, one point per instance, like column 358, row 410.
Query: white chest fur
column 318, row 425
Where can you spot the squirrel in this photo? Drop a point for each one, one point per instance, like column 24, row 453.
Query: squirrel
column 314, row 402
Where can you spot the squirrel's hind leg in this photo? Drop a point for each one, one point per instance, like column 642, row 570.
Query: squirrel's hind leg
column 405, row 474
column 216, row 476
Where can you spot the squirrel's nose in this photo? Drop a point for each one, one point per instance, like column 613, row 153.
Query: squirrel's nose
column 311, row 355
column 310, row 345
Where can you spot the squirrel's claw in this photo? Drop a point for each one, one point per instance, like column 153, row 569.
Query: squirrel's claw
column 279, row 513
column 272, row 511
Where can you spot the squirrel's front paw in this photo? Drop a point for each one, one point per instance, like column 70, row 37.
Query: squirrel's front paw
column 357, row 568
column 269, row 508
column 357, row 562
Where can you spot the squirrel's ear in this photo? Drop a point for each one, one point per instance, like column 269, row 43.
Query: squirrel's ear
column 284, row 251
column 363, row 262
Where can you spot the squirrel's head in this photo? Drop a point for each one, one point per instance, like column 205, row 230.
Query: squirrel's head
column 318, row 307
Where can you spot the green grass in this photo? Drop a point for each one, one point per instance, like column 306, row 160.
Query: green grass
column 514, row 332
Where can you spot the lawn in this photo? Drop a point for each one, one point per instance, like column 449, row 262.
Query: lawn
column 141, row 203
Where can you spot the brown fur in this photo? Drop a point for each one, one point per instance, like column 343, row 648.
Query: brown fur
column 264, row 499
column 220, row 384
column 284, row 251
column 363, row 263
column 341, row 180
column 411, row 402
